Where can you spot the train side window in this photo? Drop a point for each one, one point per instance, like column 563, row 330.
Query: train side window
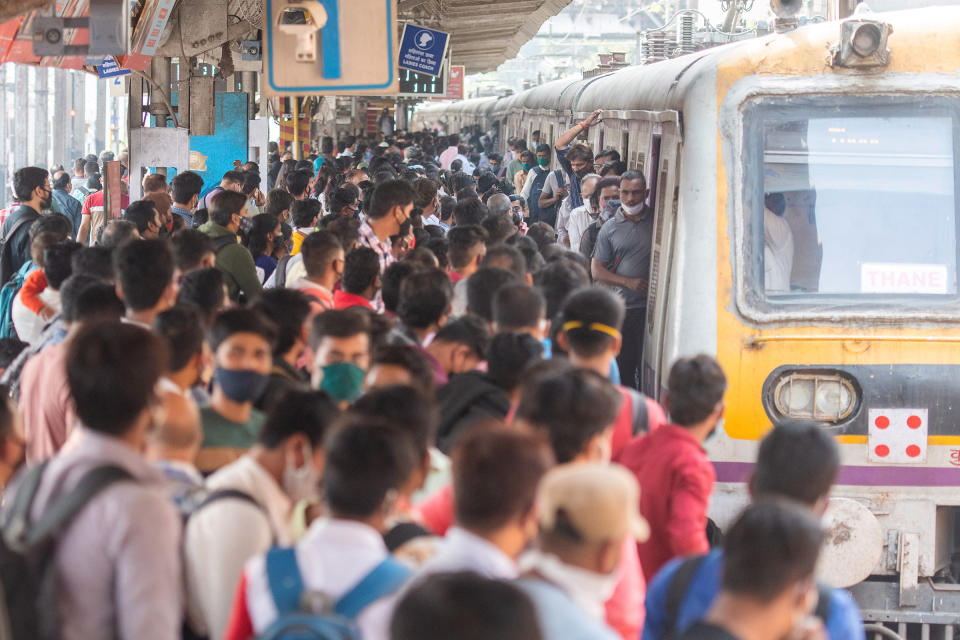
column 855, row 202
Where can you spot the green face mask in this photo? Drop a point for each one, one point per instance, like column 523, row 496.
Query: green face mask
column 343, row 381
column 543, row 162
column 526, row 166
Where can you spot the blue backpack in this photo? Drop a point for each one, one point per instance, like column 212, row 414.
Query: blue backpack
column 7, row 295
column 303, row 617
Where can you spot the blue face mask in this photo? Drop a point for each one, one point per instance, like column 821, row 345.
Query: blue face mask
column 240, row 385
column 610, row 208
column 343, row 381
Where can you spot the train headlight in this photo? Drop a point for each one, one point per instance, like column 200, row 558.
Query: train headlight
column 823, row 397
column 863, row 43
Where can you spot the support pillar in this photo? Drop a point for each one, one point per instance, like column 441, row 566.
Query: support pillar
column 100, row 124
column 21, row 108
column 78, row 114
column 41, row 132
column 61, row 152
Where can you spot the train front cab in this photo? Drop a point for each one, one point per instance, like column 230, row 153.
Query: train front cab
column 860, row 331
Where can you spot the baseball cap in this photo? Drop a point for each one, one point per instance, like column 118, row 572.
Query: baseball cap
column 383, row 145
column 598, row 501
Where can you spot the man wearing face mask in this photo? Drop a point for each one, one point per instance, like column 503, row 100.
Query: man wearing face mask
column 586, row 512
column 390, row 206
column 797, row 462
column 767, row 593
column 31, row 185
column 241, row 341
column 621, row 259
column 576, row 408
column 340, row 341
column 591, row 218
column 544, row 209
column 585, row 215
column 525, row 164
column 281, row 469
column 672, row 467
column 368, row 462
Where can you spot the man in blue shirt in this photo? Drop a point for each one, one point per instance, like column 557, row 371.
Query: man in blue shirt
column 795, row 461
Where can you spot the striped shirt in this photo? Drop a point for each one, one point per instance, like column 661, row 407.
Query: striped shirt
column 383, row 248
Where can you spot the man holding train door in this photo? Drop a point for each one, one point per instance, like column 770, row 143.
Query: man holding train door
column 621, row 260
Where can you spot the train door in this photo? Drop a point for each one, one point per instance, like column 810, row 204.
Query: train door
column 663, row 180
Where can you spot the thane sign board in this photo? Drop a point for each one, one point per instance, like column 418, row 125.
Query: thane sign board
column 342, row 47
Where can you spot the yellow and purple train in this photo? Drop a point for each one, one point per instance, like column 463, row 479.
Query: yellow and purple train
column 805, row 192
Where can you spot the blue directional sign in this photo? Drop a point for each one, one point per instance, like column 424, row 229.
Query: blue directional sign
column 423, row 50
column 110, row 69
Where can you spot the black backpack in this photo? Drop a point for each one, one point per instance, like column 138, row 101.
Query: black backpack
column 683, row 578
column 29, row 605
column 6, row 248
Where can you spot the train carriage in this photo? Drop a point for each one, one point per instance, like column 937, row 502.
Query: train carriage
column 839, row 140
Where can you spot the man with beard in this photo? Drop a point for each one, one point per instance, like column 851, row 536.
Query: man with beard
column 670, row 464
column 32, row 187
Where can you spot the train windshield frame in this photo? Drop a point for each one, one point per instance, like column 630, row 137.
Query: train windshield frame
column 851, row 201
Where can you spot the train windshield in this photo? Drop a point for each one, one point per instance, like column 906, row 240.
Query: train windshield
column 857, row 203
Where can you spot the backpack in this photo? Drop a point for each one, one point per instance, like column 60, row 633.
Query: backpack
column 683, row 578
column 280, row 273
column 639, row 419
column 544, row 214
column 189, row 504
column 335, row 621
column 6, row 249
column 26, row 550
column 8, row 293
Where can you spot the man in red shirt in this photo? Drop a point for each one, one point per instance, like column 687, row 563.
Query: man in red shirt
column 672, row 468
column 94, row 216
column 361, row 280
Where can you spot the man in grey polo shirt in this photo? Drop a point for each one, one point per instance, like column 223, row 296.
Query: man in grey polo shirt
column 621, row 260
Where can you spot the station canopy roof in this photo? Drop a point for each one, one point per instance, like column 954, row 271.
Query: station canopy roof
column 483, row 33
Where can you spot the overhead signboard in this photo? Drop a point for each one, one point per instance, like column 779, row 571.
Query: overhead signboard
column 423, row 50
column 329, row 47
column 422, row 85
column 110, row 69
column 455, row 82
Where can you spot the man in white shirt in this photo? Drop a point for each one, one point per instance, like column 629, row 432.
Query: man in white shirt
column 495, row 477
column 586, row 511
column 280, row 470
column 777, row 245
column 368, row 464
column 566, row 227
column 596, row 194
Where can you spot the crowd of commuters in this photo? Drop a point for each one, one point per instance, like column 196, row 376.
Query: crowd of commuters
column 386, row 397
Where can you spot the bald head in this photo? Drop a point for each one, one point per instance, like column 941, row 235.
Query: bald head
column 61, row 180
column 498, row 204
column 179, row 435
column 589, row 184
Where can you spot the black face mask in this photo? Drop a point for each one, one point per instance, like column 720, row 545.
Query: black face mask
column 583, row 172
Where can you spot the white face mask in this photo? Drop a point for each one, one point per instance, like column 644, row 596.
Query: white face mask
column 587, row 589
column 634, row 210
column 303, row 483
